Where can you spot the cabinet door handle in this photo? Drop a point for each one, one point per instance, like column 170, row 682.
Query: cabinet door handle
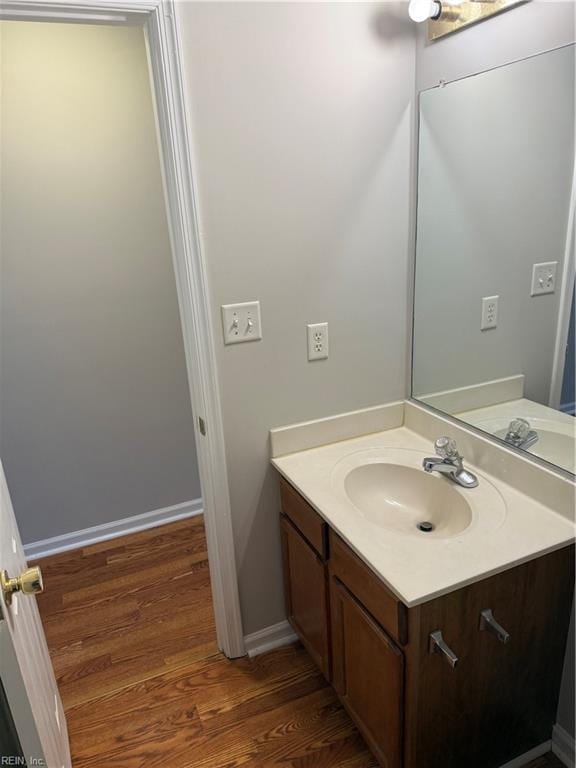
column 437, row 644
column 489, row 624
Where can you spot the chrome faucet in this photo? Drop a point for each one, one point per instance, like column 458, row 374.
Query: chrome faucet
column 520, row 435
column 449, row 462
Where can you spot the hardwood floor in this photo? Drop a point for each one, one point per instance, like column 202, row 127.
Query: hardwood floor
column 122, row 611
column 131, row 633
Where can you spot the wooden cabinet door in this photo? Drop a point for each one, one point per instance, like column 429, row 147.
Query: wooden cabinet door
column 501, row 699
column 368, row 675
column 306, row 587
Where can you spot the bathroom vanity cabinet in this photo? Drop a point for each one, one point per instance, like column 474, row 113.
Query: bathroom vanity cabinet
column 486, row 696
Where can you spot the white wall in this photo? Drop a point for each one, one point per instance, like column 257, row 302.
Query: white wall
column 96, row 421
column 495, row 167
column 301, row 120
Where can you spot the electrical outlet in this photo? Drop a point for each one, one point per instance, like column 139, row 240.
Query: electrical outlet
column 241, row 322
column 317, row 341
column 489, row 312
column 543, row 278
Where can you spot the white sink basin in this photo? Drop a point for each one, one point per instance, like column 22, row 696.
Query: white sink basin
column 389, row 488
column 407, row 500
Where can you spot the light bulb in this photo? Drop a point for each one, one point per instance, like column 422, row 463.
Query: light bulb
column 421, row 10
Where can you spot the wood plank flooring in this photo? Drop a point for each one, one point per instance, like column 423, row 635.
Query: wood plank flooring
column 131, row 633
column 122, row 611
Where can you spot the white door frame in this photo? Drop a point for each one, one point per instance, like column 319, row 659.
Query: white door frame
column 564, row 302
column 158, row 20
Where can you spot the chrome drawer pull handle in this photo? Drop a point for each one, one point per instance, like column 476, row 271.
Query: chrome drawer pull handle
column 489, row 624
column 437, row 644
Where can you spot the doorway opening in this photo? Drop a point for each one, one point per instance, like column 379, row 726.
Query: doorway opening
column 102, row 357
column 97, row 429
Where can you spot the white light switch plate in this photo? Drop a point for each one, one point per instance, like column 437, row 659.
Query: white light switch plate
column 317, row 341
column 543, row 278
column 489, row 312
column 241, row 322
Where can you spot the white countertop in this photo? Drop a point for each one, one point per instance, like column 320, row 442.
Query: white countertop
column 418, row 569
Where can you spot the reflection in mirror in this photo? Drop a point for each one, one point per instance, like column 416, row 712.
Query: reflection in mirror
column 494, row 287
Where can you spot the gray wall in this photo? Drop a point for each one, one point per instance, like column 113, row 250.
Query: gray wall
column 531, row 28
column 495, row 167
column 301, row 121
column 96, row 421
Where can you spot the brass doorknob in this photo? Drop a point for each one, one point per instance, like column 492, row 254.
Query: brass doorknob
column 29, row 583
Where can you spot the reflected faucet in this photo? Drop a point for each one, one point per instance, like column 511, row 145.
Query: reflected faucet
column 449, row 462
column 520, row 435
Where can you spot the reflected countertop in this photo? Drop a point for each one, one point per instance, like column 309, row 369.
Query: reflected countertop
column 557, row 430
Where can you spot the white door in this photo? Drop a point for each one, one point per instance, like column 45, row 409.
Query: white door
column 26, row 671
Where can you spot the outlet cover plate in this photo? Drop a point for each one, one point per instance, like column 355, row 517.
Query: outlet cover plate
column 241, row 322
column 489, row 312
column 317, row 334
column 543, row 278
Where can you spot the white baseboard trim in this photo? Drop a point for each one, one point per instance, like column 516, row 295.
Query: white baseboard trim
column 269, row 638
column 527, row 757
column 563, row 745
column 83, row 538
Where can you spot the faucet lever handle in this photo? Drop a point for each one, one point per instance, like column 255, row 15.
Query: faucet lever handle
column 519, row 428
column 446, row 448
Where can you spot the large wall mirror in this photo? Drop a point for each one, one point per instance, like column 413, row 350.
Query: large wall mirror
column 494, row 285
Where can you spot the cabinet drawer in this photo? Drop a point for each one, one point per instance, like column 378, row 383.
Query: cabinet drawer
column 385, row 607
column 306, row 519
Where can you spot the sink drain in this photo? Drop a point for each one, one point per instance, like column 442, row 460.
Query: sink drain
column 425, row 526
